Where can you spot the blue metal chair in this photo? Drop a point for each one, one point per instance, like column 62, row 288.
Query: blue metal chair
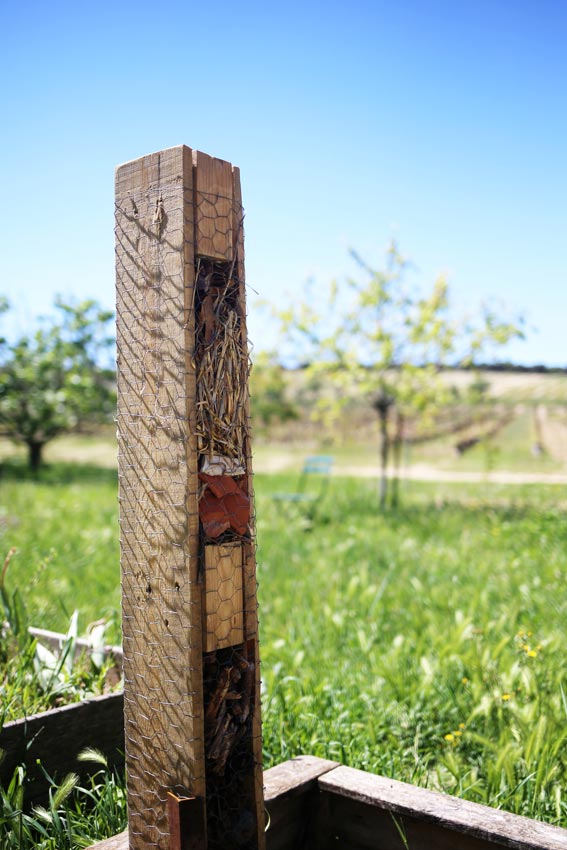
column 314, row 467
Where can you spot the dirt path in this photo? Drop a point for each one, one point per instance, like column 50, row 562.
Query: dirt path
column 282, row 461
column 422, row 472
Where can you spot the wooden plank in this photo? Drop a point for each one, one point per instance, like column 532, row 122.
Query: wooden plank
column 171, row 207
column 213, row 207
column 444, row 816
column 342, row 822
column 117, row 842
column 224, row 619
column 158, row 489
column 56, row 737
column 186, row 820
column 294, row 776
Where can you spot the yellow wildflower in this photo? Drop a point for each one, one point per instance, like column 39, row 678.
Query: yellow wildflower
column 531, row 653
column 449, row 736
column 506, row 697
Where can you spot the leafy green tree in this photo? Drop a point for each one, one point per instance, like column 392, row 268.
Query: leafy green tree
column 270, row 402
column 376, row 337
column 57, row 379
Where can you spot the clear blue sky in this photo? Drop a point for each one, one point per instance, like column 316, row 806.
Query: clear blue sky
column 443, row 124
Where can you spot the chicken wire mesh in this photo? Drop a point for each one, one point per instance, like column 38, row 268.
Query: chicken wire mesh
column 191, row 677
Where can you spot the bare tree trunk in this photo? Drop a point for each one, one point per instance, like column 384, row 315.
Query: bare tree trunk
column 382, row 405
column 35, row 449
column 384, row 452
column 397, row 446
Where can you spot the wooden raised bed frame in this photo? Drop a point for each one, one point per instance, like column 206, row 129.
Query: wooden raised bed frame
column 314, row 804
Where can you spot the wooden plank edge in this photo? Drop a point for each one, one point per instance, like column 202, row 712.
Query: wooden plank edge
column 451, row 813
column 294, row 775
column 30, row 725
column 117, row 842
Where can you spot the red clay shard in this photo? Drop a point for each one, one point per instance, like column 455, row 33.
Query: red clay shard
column 223, row 505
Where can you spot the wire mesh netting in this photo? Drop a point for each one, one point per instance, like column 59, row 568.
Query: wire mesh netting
column 191, row 674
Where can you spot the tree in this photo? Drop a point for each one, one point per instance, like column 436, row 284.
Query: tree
column 56, row 379
column 378, row 338
column 269, row 400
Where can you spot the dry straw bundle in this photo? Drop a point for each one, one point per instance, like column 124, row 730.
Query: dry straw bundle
column 222, row 363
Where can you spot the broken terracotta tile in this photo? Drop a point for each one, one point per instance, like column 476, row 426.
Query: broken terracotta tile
column 223, row 505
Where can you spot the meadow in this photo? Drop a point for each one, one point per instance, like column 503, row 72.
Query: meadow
column 424, row 644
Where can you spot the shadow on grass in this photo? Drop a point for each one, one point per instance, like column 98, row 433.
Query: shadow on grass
column 57, row 473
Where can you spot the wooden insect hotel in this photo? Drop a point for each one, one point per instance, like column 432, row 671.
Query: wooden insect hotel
column 190, row 631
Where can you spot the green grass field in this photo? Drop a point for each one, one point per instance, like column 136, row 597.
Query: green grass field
column 65, row 528
column 426, row 645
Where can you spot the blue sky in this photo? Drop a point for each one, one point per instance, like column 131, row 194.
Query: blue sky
column 441, row 124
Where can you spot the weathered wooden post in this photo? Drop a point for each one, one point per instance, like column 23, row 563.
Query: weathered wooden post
column 191, row 667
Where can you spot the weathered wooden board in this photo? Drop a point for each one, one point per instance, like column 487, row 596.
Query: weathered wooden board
column 213, row 207
column 346, row 823
column 361, row 810
column 178, row 230
column 157, row 464
column 224, row 614
column 292, row 802
column 117, row 842
column 56, row 737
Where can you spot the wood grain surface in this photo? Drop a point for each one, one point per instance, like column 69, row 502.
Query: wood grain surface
column 437, row 818
column 213, row 207
column 224, row 616
column 161, row 609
